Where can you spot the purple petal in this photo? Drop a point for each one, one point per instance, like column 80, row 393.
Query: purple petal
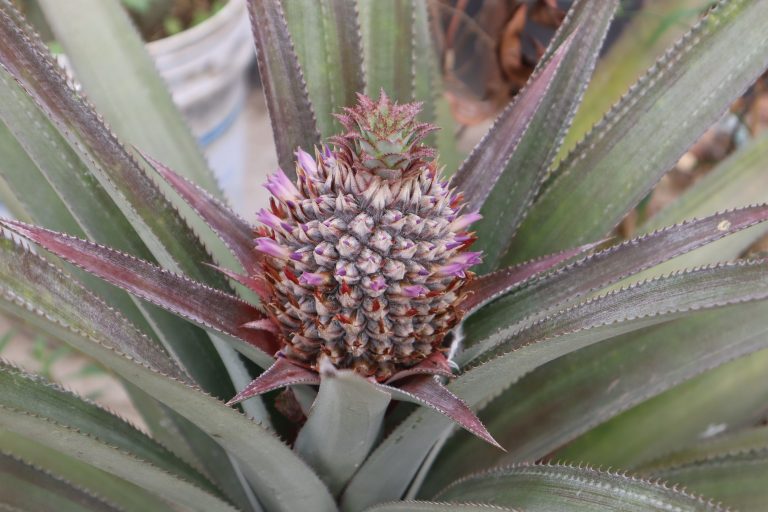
column 281, row 187
column 464, row 221
column 268, row 219
column 268, row 246
column 415, row 290
column 313, row 279
column 306, row 162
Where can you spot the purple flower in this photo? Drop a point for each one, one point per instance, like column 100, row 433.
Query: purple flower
column 463, row 221
column 281, row 187
column 313, row 278
column 268, row 246
column 415, row 290
column 306, row 162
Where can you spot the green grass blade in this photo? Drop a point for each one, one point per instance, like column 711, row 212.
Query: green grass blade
column 290, row 108
column 530, row 161
column 25, row 487
column 558, row 402
column 129, row 497
column 345, row 420
column 121, row 80
column 64, row 422
column 619, row 161
column 33, row 289
column 737, row 479
column 326, row 38
column 549, row 488
column 387, row 30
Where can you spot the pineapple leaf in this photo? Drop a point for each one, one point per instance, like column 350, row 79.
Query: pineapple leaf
column 428, row 506
column 736, row 478
column 543, row 487
column 64, row 422
column 122, row 493
column 556, row 336
column 601, row 269
column 61, row 181
column 121, row 80
column 526, row 164
column 206, row 306
column 233, row 230
column 27, row 487
column 428, row 89
column 561, row 400
column 738, row 180
column 342, row 426
column 282, row 373
column 427, row 391
column 728, row 397
column 387, row 30
column 751, row 439
column 31, row 288
column 486, row 288
column 290, row 108
column 619, row 161
column 326, row 38
column 480, row 172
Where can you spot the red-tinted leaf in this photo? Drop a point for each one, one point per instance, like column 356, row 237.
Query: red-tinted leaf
column 290, row 110
column 281, row 374
column 206, row 306
column 435, row 364
column 482, row 169
column 603, row 268
column 255, row 284
column 490, row 286
column 233, row 230
column 426, row 390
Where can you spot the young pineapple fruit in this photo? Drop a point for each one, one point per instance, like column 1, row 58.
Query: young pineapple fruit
column 366, row 255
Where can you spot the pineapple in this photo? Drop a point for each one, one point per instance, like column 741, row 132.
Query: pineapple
column 366, row 255
column 397, row 292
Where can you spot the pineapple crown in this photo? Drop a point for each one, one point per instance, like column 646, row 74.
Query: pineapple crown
column 384, row 138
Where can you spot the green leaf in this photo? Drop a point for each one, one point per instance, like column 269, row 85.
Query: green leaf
column 425, row 506
column 594, row 272
column 528, row 164
column 121, row 80
column 342, row 426
column 326, row 38
column 518, row 353
column 30, row 488
column 729, row 397
column 561, row 400
column 33, row 289
column 387, row 30
column 651, row 28
column 127, row 496
column 737, row 479
column 733, row 443
column 428, row 89
column 550, row 488
column 482, row 169
column 615, row 166
column 64, row 422
column 290, row 109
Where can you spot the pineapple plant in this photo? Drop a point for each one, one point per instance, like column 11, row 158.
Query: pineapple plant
column 397, row 330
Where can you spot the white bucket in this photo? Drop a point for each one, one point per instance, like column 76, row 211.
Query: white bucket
column 206, row 69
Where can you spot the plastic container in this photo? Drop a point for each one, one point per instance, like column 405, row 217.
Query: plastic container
column 206, row 69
